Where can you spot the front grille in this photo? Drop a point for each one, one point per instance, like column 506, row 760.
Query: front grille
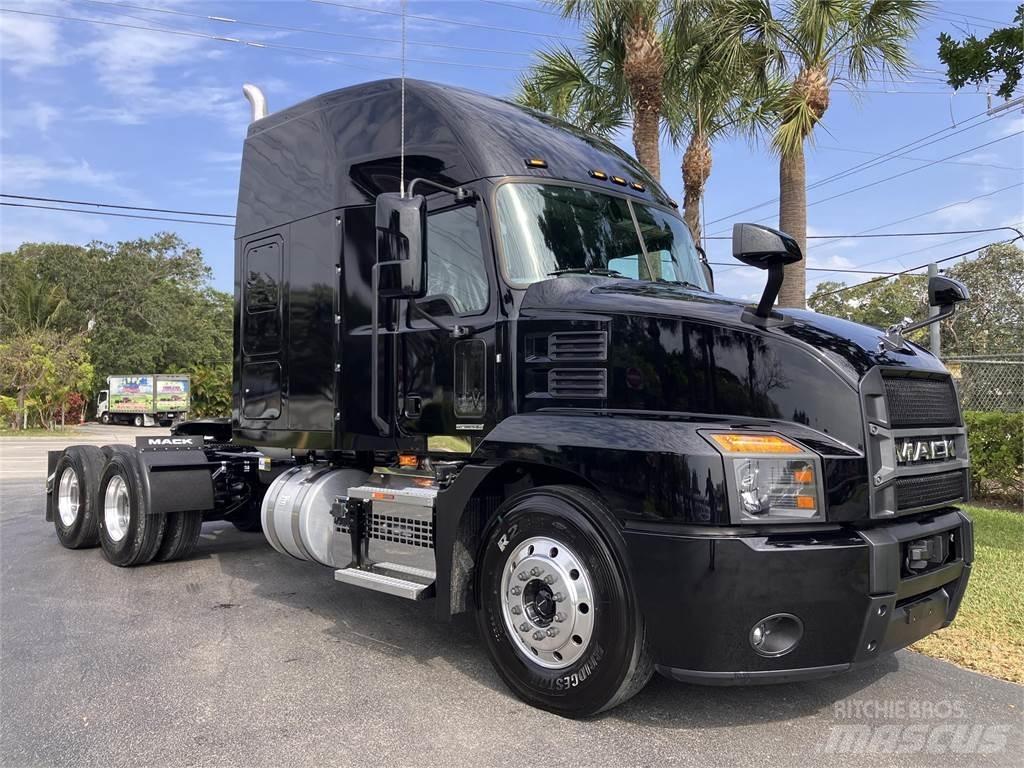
column 928, row 490
column 921, row 402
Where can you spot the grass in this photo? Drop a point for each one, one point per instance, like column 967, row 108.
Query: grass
column 988, row 633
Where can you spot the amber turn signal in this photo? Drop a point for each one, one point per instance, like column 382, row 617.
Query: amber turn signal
column 732, row 442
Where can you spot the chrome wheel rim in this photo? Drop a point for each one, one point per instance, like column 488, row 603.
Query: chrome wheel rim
column 547, row 603
column 67, row 497
column 116, row 508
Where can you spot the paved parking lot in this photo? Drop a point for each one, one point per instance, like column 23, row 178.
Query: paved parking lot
column 242, row 657
column 24, row 458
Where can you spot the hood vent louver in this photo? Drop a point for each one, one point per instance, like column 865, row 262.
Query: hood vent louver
column 578, row 345
column 578, row 383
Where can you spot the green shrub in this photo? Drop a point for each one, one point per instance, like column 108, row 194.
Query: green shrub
column 996, row 443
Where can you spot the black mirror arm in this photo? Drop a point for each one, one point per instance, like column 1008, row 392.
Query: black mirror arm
column 460, row 193
column 893, row 338
column 776, row 273
column 457, row 331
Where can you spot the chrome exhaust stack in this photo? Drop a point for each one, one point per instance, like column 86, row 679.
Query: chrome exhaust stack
column 256, row 100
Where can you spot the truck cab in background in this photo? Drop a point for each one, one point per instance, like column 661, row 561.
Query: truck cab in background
column 487, row 367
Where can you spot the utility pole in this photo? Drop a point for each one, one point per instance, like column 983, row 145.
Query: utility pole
column 933, row 329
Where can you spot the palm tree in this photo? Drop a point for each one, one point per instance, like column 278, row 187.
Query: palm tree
column 623, row 53
column 815, row 44
column 704, row 95
column 709, row 94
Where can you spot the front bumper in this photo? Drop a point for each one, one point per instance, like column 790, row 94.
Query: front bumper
column 701, row 594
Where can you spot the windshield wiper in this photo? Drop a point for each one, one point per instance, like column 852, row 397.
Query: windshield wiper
column 684, row 283
column 585, row 271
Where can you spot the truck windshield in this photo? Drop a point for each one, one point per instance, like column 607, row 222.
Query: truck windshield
column 549, row 229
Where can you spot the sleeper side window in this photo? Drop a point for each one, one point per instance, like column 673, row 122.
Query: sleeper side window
column 261, row 282
column 456, row 276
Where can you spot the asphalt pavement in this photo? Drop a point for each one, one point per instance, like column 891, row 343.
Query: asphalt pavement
column 24, row 458
column 240, row 656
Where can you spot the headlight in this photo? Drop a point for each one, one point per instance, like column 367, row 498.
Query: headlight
column 769, row 479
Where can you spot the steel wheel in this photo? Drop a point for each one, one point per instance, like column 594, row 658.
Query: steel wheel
column 67, row 497
column 116, row 508
column 547, row 602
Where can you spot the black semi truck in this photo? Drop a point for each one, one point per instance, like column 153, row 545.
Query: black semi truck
column 478, row 359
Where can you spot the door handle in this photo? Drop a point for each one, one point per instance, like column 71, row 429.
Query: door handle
column 413, row 406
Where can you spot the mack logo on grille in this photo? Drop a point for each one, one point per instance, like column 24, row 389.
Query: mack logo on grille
column 913, row 451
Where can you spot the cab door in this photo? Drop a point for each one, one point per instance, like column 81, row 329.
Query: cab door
column 446, row 374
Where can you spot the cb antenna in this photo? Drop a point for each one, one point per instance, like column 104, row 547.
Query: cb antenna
column 401, row 155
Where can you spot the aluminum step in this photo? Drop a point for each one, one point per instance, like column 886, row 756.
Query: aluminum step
column 390, row 578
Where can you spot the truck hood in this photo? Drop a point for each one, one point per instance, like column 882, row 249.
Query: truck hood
column 851, row 348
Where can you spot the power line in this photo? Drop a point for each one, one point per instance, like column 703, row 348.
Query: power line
column 892, row 234
column 897, row 175
column 928, row 213
column 118, row 215
column 912, row 269
column 119, row 206
column 442, row 20
column 814, row 269
column 521, row 7
column 259, row 44
column 885, row 157
column 920, row 159
column 304, row 30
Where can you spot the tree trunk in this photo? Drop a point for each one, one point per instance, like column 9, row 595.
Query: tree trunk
column 793, row 221
column 644, row 70
column 646, row 125
column 696, row 169
column 21, row 407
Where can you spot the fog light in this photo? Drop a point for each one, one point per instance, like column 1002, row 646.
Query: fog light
column 776, row 635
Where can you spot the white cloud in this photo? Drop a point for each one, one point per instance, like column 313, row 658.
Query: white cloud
column 28, row 43
column 973, row 213
column 27, row 172
column 27, row 225
column 835, row 261
column 1007, row 126
column 36, row 116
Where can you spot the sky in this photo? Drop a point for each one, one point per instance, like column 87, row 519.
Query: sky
column 115, row 113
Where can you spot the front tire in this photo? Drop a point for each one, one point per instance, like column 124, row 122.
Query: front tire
column 75, row 509
column 139, row 421
column 105, row 418
column 554, row 605
column 129, row 535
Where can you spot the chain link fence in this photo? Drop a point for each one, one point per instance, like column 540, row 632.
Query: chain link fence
column 989, row 382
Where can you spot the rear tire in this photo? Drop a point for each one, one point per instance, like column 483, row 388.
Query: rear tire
column 139, row 421
column 75, row 480
column 555, row 607
column 180, row 536
column 129, row 535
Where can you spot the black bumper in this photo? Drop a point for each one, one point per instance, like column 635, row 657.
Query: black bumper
column 701, row 595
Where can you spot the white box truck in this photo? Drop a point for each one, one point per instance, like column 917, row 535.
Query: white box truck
column 144, row 400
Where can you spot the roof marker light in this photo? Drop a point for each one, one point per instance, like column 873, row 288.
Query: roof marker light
column 618, row 180
column 638, row 187
column 535, row 162
column 599, row 175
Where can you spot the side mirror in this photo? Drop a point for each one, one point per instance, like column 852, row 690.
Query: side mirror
column 401, row 245
column 945, row 291
column 765, row 248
